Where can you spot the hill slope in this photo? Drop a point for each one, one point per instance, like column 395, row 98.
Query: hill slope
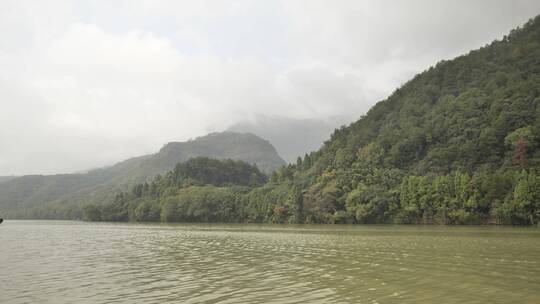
column 459, row 143
column 6, row 178
column 240, row 146
column 60, row 196
column 199, row 189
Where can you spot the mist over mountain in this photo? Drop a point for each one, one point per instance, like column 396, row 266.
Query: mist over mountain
column 292, row 137
column 107, row 80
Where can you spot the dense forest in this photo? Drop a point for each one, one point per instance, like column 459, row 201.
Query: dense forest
column 200, row 189
column 457, row 144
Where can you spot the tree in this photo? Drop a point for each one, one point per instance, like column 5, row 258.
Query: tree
column 520, row 154
column 92, row 213
column 520, row 140
column 526, row 197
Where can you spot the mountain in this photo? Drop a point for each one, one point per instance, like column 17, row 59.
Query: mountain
column 6, row 178
column 291, row 137
column 60, row 196
column 457, row 144
column 199, row 189
column 239, row 146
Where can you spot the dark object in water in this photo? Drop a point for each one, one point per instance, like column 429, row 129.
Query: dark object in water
column 1, row 220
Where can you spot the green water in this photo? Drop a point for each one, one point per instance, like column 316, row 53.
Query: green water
column 75, row 262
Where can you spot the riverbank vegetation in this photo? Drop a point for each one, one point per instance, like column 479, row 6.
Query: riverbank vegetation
column 379, row 196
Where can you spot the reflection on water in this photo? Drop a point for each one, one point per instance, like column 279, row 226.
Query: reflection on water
column 73, row 262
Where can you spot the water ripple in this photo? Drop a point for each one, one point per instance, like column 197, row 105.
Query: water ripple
column 72, row 262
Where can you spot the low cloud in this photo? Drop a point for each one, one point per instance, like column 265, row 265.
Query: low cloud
column 86, row 83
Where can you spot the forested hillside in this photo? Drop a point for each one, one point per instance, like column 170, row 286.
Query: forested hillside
column 457, row 144
column 200, row 189
column 62, row 196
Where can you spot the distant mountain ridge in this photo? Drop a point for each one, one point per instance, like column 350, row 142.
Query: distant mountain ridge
column 29, row 196
column 241, row 146
column 292, row 138
column 6, row 178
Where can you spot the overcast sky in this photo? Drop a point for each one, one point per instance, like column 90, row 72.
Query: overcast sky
column 84, row 84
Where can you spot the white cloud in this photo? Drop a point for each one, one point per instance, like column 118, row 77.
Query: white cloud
column 87, row 83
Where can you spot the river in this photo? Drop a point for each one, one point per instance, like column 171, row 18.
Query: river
column 79, row 262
